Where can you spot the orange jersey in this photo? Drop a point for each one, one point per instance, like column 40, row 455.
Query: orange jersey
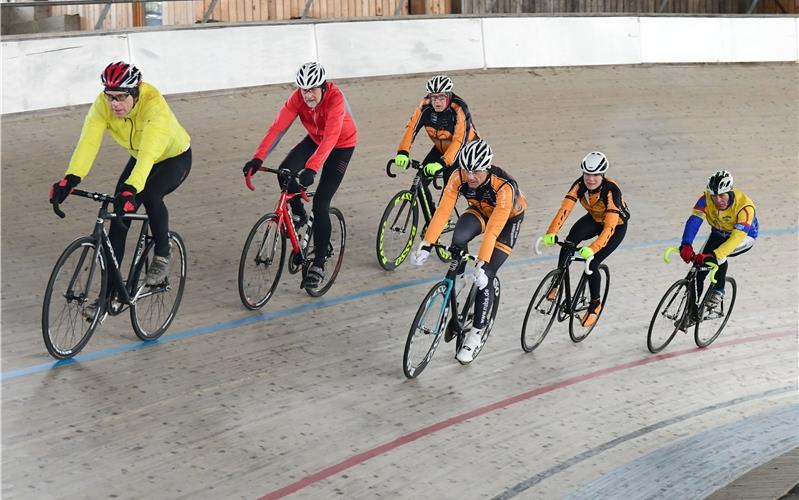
column 494, row 201
column 449, row 130
column 606, row 206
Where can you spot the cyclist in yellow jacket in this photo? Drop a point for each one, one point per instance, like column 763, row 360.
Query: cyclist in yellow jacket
column 139, row 119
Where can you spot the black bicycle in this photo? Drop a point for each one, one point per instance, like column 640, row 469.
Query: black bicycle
column 434, row 320
column 683, row 306
column 86, row 285
column 553, row 299
column 264, row 252
column 398, row 226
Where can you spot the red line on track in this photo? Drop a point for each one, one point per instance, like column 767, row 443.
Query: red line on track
column 413, row 436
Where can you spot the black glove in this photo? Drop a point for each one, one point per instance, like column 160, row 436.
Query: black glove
column 126, row 199
column 62, row 188
column 252, row 166
column 306, row 177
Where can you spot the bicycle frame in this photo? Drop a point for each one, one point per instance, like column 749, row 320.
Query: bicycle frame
column 281, row 210
column 693, row 273
column 564, row 275
column 416, row 189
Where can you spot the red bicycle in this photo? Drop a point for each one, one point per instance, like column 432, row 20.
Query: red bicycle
column 264, row 252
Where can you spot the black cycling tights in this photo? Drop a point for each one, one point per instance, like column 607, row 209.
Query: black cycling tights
column 432, row 157
column 326, row 185
column 164, row 178
column 586, row 227
column 466, row 229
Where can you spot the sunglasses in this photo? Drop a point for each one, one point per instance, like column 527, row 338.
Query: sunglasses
column 117, row 97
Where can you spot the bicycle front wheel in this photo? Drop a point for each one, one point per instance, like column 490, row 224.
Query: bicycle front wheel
column 154, row 307
column 74, row 298
column 670, row 313
column 334, row 254
column 426, row 330
column 582, row 301
column 714, row 319
column 541, row 312
column 397, row 230
column 261, row 262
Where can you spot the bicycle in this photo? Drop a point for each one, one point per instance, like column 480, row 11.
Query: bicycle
column 680, row 306
column 543, row 310
column 433, row 320
column 267, row 242
column 88, row 267
column 400, row 220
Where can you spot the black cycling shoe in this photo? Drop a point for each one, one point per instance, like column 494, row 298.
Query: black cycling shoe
column 313, row 278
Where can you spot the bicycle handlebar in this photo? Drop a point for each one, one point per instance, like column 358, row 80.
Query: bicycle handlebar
column 713, row 267
column 284, row 172
column 568, row 245
column 413, row 164
column 99, row 197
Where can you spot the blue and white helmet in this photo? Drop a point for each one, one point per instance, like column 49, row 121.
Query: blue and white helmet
column 310, row 75
column 595, row 163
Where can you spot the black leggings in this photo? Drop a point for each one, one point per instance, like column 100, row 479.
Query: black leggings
column 332, row 174
column 164, row 178
column 586, row 227
column 432, row 157
column 469, row 225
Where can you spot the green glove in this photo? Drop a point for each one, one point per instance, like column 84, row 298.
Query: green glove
column 549, row 239
column 401, row 161
column 586, row 252
column 432, row 168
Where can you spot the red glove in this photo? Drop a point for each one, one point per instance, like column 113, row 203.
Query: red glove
column 687, row 253
column 126, row 199
column 705, row 258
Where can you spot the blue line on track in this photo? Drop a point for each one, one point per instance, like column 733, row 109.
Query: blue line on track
column 318, row 304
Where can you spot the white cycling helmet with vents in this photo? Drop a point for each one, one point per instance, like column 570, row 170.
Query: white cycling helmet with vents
column 719, row 183
column 595, row 163
column 439, row 84
column 476, row 156
column 310, row 75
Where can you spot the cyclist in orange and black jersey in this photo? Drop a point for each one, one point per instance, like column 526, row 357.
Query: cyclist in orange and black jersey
column 496, row 209
column 606, row 219
column 448, row 122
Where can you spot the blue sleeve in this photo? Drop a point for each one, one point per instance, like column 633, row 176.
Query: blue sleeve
column 691, row 228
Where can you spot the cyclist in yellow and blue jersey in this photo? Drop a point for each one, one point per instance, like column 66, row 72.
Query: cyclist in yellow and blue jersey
column 733, row 228
column 138, row 118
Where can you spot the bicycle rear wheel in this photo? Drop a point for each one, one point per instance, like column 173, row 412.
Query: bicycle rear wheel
column 669, row 314
column 713, row 320
column 74, row 298
column 426, row 330
column 582, row 301
column 261, row 262
column 154, row 307
column 334, row 254
column 397, row 230
column 541, row 312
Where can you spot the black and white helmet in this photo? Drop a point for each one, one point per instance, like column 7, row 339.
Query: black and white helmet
column 476, row 156
column 439, row 84
column 595, row 163
column 310, row 75
column 719, row 183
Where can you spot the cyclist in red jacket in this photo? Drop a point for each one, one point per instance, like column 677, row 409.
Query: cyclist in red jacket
column 331, row 139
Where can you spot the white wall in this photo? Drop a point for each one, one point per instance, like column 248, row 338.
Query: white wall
column 53, row 72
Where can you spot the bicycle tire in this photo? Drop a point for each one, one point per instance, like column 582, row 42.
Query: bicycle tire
column 669, row 312
column 581, row 301
column 71, row 316
column 255, row 285
column 412, row 365
column 722, row 312
column 545, row 311
column 335, row 254
column 154, row 307
column 393, row 229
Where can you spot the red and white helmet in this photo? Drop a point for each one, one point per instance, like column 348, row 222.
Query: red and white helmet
column 121, row 76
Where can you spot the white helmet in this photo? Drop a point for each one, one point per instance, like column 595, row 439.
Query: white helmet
column 720, row 182
column 439, row 85
column 595, row 163
column 476, row 156
column 310, row 75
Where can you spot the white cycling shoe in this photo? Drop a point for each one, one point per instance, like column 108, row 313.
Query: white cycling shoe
column 470, row 345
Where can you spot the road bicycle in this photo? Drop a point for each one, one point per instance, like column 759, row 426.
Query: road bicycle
column 434, row 319
column 398, row 226
column 264, row 251
column 553, row 299
column 86, row 285
column 683, row 307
